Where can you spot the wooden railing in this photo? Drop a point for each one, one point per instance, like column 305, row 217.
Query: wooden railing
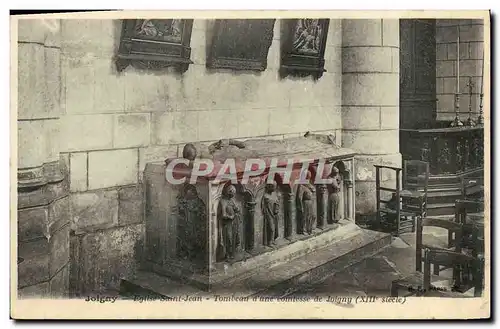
column 454, row 150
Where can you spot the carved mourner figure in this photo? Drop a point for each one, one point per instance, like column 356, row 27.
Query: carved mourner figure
column 305, row 206
column 192, row 224
column 334, row 196
column 270, row 211
column 228, row 215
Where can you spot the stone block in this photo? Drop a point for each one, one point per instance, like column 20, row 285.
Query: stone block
column 360, row 118
column 325, row 118
column 274, row 56
column 390, row 32
column 109, row 87
column 59, row 214
column 59, row 284
column 35, row 291
column 389, row 117
column 52, row 142
column 471, row 67
column 367, row 59
column 59, row 250
column 365, row 197
column 34, row 267
column 253, row 122
column 131, row 130
column 32, row 90
column 79, row 84
column 82, row 35
column 146, row 92
column 217, row 124
column 371, row 141
column 53, row 81
column 32, row 223
column 476, row 50
column 395, row 60
column 334, row 37
column 445, row 34
column 131, row 205
column 200, row 24
column 450, row 85
column 53, row 35
column 30, row 133
column 324, row 92
column 441, row 51
column 92, row 209
column 361, row 32
column 112, row 168
column 446, row 103
column 440, row 85
column 445, row 68
column 285, row 120
column 155, row 153
column 109, row 255
column 32, row 30
column 464, row 51
column 198, row 47
column 370, row 89
column 110, row 31
column 472, row 33
column 333, row 59
column 174, row 127
column 78, row 172
column 86, row 132
column 277, row 30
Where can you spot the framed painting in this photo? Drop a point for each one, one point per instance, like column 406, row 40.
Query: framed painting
column 303, row 47
column 241, row 44
column 155, row 43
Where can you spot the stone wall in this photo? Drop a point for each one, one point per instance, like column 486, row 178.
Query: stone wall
column 471, row 55
column 43, row 204
column 370, row 101
column 114, row 123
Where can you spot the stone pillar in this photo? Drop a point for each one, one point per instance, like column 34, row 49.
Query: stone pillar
column 249, row 225
column 43, row 209
column 322, row 204
column 370, row 100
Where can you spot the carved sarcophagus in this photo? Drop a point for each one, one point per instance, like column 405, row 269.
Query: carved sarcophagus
column 222, row 211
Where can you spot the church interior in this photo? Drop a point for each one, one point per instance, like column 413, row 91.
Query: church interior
column 394, row 107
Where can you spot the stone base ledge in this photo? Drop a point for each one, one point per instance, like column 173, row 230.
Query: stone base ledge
column 284, row 277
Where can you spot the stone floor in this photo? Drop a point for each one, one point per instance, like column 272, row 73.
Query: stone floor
column 374, row 275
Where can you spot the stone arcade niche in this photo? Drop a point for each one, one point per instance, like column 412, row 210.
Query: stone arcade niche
column 212, row 232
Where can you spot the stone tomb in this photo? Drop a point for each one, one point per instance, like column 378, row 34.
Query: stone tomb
column 214, row 232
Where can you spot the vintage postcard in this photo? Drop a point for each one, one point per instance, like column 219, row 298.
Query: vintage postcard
column 251, row 165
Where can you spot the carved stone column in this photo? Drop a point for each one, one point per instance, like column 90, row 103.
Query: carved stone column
column 290, row 220
column 322, row 199
column 350, row 199
column 43, row 207
column 249, row 225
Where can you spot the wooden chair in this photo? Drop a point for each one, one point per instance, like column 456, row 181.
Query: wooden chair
column 421, row 283
column 467, row 212
column 393, row 214
column 455, row 228
column 415, row 185
column 473, row 188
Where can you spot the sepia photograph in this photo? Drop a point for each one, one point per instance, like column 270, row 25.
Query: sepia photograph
column 237, row 164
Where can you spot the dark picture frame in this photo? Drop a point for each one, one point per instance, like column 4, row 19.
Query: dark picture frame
column 303, row 44
column 241, row 44
column 155, row 44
